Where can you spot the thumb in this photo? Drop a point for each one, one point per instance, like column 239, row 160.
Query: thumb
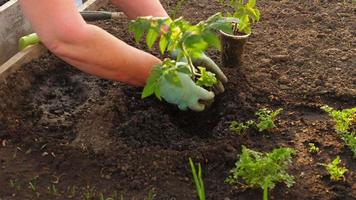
column 204, row 94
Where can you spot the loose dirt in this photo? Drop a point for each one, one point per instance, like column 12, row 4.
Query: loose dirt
column 65, row 128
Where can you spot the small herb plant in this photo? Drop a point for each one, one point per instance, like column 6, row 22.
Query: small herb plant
column 262, row 170
column 344, row 119
column 313, row 149
column 198, row 179
column 245, row 11
column 264, row 122
column 336, row 172
column 266, row 119
column 188, row 42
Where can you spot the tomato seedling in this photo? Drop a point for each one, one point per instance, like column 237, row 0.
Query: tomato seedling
column 245, row 11
column 186, row 42
column 336, row 172
column 263, row 170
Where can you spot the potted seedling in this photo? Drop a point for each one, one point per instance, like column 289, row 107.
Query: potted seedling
column 187, row 42
column 233, row 43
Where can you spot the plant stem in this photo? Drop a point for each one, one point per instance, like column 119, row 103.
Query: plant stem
column 265, row 192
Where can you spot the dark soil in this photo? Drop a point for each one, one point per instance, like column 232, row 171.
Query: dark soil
column 63, row 128
column 2, row 2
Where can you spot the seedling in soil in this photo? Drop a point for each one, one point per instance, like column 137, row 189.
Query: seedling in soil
column 14, row 184
column 52, row 190
column 344, row 119
column 198, row 179
column 266, row 119
column 72, row 191
column 240, row 128
column 336, row 172
column 262, row 170
column 186, row 41
column 245, row 11
column 313, row 149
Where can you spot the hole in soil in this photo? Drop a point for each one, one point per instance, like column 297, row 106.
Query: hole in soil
column 150, row 122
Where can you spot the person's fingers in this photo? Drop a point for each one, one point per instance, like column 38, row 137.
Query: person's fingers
column 196, row 106
column 211, row 66
column 218, row 88
column 204, row 94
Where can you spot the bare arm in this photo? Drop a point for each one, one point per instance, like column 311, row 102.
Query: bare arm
column 136, row 8
column 91, row 49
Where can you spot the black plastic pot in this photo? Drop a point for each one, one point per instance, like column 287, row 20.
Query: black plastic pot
column 231, row 49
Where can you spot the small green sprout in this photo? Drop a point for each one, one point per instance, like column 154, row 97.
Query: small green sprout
column 262, row 170
column 245, row 12
column 350, row 141
column 240, row 128
column 265, row 121
column 336, row 172
column 206, row 78
column 313, row 149
column 14, row 184
column 266, row 118
column 53, row 190
column 344, row 119
column 198, row 179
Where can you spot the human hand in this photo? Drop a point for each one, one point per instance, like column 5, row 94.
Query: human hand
column 187, row 95
column 210, row 65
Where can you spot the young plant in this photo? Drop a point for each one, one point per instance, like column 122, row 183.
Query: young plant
column 198, row 179
column 262, row 170
column 245, row 11
column 344, row 119
column 186, row 42
column 240, row 128
column 350, row 141
column 266, row 119
column 313, row 149
column 336, row 172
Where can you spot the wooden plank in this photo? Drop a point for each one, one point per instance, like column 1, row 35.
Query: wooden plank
column 35, row 51
column 13, row 26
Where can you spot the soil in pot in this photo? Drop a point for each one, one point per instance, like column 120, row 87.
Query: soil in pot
column 232, row 47
column 65, row 128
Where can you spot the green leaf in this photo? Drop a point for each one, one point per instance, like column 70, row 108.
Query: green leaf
column 163, row 43
column 251, row 3
column 212, row 39
column 151, row 37
column 138, row 27
column 152, row 82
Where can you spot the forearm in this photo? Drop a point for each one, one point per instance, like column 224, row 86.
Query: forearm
column 101, row 54
column 136, row 8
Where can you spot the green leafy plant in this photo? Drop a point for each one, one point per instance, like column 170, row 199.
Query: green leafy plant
column 336, row 172
column 186, row 41
column 264, row 122
column 313, row 149
column 245, row 11
column 198, row 179
column 240, row 128
column 262, row 170
column 266, row 118
column 344, row 119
